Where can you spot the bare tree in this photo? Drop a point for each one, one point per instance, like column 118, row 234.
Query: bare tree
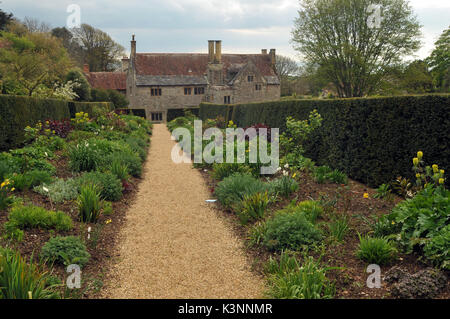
column 34, row 25
column 286, row 66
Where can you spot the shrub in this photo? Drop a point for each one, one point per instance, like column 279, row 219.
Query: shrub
column 22, row 280
column 284, row 186
column 109, row 186
column 22, row 217
column 30, row 179
column 324, row 174
column 232, row 189
column 383, row 191
column 310, row 209
column 65, row 250
column 290, row 231
column 89, row 203
column 60, row 190
column 5, row 169
column 223, row 170
column 84, row 157
column 289, row 280
column 132, row 161
column 375, row 250
column 437, row 249
column 119, row 169
column 83, row 89
column 253, row 207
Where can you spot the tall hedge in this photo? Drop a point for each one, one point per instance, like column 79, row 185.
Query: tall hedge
column 18, row 112
column 373, row 140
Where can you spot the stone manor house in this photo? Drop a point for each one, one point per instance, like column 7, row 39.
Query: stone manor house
column 157, row 82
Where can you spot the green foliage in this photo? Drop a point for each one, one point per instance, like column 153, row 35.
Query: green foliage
column 338, row 228
column 60, row 190
column 284, row 185
column 290, row 280
column 383, row 191
column 290, row 231
column 5, row 189
column 369, row 139
column 119, row 169
column 324, row 174
column 437, row 249
column 22, row 280
column 89, row 203
column 83, row 89
column 30, row 179
column 22, row 217
column 84, row 157
column 439, row 62
column 131, row 160
column 253, row 207
column 375, row 250
column 65, row 250
column 418, row 221
column 109, row 186
column 233, row 189
column 312, row 210
column 223, row 170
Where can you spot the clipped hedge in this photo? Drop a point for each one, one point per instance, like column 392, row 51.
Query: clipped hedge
column 18, row 112
column 373, row 140
column 174, row 113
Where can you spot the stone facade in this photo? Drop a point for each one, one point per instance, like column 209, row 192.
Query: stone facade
column 158, row 82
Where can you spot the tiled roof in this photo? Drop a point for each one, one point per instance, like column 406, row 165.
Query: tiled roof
column 174, row 68
column 107, row 80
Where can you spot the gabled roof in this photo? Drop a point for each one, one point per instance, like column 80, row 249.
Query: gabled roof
column 191, row 68
column 107, row 80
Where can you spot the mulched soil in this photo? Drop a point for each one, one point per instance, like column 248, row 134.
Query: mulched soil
column 103, row 236
column 351, row 279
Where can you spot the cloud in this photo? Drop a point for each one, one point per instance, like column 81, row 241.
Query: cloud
column 186, row 25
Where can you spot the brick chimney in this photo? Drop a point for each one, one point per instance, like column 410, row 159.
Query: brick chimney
column 211, row 52
column 218, row 51
column 86, row 68
column 263, row 51
column 272, row 57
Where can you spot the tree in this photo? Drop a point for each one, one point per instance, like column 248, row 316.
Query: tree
column 100, row 51
column 353, row 53
column 286, row 66
column 73, row 48
column 118, row 99
column 416, row 78
column 34, row 25
column 82, row 88
column 32, row 61
column 5, row 19
column 439, row 61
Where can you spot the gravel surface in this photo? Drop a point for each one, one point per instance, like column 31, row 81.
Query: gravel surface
column 173, row 244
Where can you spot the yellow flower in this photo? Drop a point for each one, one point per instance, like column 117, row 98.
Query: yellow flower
column 442, row 171
column 13, row 189
column 2, row 185
column 435, row 168
column 418, row 175
column 441, row 181
column 393, row 223
column 415, row 161
column 366, row 195
column 108, row 221
column 420, row 155
column 295, row 174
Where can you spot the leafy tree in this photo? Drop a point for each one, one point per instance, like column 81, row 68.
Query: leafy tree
column 82, row 89
column 99, row 95
column 72, row 46
column 5, row 19
column 100, row 51
column 439, row 61
column 416, row 78
column 119, row 99
column 33, row 61
column 352, row 53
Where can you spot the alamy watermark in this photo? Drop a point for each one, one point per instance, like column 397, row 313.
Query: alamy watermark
column 74, row 18
column 374, row 279
column 234, row 143
column 374, row 20
column 73, row 280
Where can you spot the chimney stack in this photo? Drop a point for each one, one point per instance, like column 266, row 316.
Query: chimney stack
column 218, row 51
column 211, row 51
column 133, row 48
column 263, row 51
column 86, row 68
column 272, row 57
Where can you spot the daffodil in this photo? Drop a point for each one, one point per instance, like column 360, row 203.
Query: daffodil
column 415, row 161
column 419, row 155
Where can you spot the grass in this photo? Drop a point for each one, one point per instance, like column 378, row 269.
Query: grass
column 375, row 250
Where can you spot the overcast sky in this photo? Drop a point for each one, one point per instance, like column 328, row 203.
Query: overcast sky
column 244, row 26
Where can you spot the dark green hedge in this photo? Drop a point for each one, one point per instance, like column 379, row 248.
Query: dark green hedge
column 373, row 140
column 174, row 113
column 88, row 107
column 18, row 112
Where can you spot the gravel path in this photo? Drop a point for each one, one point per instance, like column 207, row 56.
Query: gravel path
column 173, row 244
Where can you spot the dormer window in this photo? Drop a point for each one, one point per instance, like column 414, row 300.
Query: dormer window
column 250, row 78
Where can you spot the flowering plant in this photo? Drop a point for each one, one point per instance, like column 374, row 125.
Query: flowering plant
column 427, row 175
column 5, row 188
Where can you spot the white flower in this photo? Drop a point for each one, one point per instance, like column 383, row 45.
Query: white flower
column 45, row 189
column 285, row 173
column 286, row 166
column 46, row 154
column 278, row 169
